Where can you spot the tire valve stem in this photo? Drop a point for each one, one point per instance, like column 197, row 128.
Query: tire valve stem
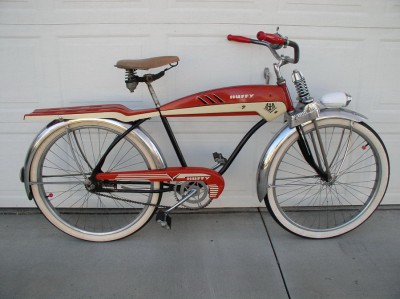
column 50, row 195
column 364, row 147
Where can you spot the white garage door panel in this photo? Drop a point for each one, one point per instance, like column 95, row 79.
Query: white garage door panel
column 294, row 12
column 93, row 57
column 65, row 52
column 20, row 56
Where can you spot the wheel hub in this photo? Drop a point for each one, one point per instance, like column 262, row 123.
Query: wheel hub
column 89, row 185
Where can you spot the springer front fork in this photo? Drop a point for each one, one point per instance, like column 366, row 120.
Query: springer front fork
column 308, row 110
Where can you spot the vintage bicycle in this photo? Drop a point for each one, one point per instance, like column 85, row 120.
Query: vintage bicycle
column 97, row 175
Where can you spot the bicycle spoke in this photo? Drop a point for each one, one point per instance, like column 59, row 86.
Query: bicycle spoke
column 65, row 167
column 317, row 207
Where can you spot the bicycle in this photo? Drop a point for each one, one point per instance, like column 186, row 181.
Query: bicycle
column 97, row 175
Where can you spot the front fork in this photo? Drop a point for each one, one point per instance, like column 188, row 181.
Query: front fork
column 324, row 156
column 305, row 149
column 308, row 110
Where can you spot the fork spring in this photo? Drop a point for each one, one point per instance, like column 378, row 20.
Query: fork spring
column 301, row 87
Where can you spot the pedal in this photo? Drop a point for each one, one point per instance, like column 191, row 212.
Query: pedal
column 164, row 220
column 219, row 158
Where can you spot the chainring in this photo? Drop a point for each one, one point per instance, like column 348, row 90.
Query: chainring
column 199, row 200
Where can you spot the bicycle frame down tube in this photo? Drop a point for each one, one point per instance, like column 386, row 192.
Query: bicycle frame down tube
column 241, row 144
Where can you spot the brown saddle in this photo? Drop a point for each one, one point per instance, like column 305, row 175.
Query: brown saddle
column 145, row 64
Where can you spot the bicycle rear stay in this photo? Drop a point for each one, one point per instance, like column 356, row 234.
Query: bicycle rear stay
column 112, row 168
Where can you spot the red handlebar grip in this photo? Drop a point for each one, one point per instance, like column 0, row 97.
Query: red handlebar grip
column 271, row 38
column 237, row 38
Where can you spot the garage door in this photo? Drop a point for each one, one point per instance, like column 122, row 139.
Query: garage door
column 60, row 53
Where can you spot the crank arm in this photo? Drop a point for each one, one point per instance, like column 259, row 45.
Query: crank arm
column 185, row 198
column 162, row 216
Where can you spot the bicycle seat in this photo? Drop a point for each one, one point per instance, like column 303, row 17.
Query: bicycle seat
column 145, row 64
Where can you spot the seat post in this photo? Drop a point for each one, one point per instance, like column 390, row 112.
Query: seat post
column 153, row 94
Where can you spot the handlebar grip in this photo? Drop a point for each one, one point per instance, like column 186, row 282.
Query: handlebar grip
column 271, row 38
column 238, row 38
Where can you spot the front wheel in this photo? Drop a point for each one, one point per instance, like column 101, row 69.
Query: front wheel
column 60, row 170
column 307, row 205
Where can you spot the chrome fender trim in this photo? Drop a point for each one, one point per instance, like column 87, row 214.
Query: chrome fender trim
column 141, row 134
column 283, row 135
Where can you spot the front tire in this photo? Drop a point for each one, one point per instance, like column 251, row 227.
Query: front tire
column 306, row 205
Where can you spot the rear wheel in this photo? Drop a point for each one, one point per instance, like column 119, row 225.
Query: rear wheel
column 59, row 175
column 308, row 206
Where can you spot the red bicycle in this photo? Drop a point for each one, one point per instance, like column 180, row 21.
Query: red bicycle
column 98, row 176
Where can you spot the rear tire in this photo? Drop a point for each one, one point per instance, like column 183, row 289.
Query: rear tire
column 59, row 170
column 304, row 204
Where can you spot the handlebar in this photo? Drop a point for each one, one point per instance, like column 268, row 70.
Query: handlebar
column 273, row 42
column 296, row 50
column 238, row 38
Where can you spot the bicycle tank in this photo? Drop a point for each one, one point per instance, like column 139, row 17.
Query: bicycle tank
column 268, row 101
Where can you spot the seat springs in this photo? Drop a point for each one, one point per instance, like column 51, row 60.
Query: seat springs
column 131, row 79
column 130, row 75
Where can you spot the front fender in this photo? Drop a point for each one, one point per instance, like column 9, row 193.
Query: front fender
column 55, row 125
column 283, row 135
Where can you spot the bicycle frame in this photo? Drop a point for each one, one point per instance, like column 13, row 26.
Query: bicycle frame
column 269, row 102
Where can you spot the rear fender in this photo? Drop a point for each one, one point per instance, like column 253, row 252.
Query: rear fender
column 55, row 125
column 285, row 133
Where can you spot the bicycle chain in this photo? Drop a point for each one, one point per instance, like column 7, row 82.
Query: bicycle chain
column 131, row 201
column 145, row 204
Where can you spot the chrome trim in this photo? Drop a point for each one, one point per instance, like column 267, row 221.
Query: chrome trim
column 153, row 94
column 280, row 137
column 302, row 113
column 297, row 76
column 267, row 75
column 269, row 46
column 142, row 135
column 29, row 156
column 301, row 87
column 349, row 99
